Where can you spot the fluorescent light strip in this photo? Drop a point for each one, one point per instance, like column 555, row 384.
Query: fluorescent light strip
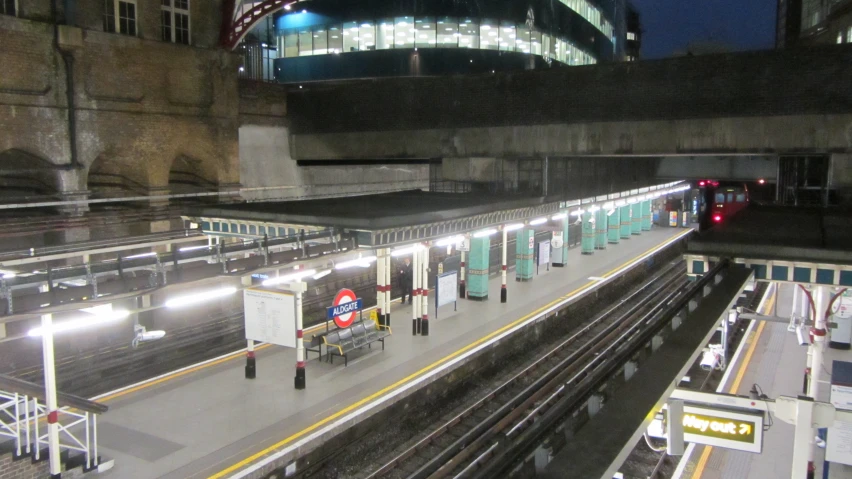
column 538, row 221
column 559, row 216
column 513, row 227
column 362, row 262
column 289, row 278
column 80, row 323
column 200, row 297
column 484, row 233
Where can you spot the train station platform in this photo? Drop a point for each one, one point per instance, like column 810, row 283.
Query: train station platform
column 209, row 421
column 771, row 358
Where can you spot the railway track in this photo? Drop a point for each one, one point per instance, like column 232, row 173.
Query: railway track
column 463, row 445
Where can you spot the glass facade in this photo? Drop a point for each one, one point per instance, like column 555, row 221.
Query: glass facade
column 408, row 32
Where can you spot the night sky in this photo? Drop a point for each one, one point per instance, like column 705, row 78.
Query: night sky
column 670, row 25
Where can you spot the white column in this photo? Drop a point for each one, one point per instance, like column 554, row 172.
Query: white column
column 251, row 364
column 503, row 267
column 462, row 290
column 380, row 285
column 300, row 343
column 803, row 436
column 415, row 291
column 50, row 394
column 387, row 296
column 817, row 349
column 424, row 289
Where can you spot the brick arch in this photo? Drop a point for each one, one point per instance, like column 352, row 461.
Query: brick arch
column 189, row 174
column 114, row 174
column 25, row 174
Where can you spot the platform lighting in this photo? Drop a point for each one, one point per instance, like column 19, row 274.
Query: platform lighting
column 404, row 251
column 192, row 248
column 577, row 213
column 513, row 227
column 594, row 208
column 181, row 301
column 80, row 323
column 141, row 255
column 322, row 274
column 7, row 274
column 288, row 7
column 449, row 240
column 484, row 233
column 538, row 221
column 608, row 205
column 289, row 278
column 761, row 181
column 620, row 203
column 559, row 216
column 362, row 262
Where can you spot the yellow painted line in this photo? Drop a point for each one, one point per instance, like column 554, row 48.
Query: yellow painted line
column 705, row 454
column 424, row 370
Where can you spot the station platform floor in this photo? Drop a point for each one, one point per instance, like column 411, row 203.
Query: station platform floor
column 774, row 360
column 209, row 421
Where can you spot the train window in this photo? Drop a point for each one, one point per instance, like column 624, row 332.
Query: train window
column 730, row 197
column 720, row 198
column 740, row 197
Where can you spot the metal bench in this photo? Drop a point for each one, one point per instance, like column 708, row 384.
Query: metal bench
column 341, row 342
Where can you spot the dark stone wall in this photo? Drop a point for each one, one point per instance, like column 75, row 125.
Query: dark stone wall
column 813, row 80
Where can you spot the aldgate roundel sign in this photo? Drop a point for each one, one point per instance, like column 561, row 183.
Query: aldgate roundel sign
column 344, row 308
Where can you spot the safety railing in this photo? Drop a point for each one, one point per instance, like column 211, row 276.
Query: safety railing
column 24, row 419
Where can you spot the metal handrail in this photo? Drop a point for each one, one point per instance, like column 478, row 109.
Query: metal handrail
column 36, row 391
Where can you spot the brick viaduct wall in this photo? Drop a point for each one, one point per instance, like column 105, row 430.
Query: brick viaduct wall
column 768, row 101
column 142, row 106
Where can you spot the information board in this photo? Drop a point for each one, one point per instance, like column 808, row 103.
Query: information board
column 742, row 431
column 544, row 252
column 270, row 316
column 447, row 290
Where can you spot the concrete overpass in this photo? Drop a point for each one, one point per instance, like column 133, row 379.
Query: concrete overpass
column 756, row 103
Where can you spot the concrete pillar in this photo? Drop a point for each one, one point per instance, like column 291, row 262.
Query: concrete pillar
column 636, row 218
column 504, row 295
column 818, row 332
column 477, row 281
column 647, row 217
column 624, row 220
column 524, row 251
column 613, row 226
column 600, row 229
column 587, row 242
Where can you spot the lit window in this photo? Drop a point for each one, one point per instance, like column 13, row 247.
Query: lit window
column 120, row 17
column 468, row 33
column 507, row 37
column 291, row 44
column 384, row 34
column 849, row 35
column 335, row 39
column 320, row 40
column 631, row 36
column 404, row 32
column 535, row 42
column 522, row 40
column 8, row 7
column 448, row 33
column 175, row 21
column 306, row 43
column 367, row 36
column 350, row 37
column 488, row 32
column 425, row 32
column 839, row 37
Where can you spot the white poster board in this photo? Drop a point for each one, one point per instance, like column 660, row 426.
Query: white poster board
column 270, row 316
column 544, row 252
column 447, row 291
column 838, row 444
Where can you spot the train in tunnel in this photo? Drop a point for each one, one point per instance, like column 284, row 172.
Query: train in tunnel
column 719, row 201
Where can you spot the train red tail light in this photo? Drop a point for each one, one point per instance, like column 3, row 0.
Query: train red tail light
column 702, row 183
column 717, row 218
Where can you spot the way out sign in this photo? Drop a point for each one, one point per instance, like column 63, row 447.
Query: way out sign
column 344, row 308
column 742, row 431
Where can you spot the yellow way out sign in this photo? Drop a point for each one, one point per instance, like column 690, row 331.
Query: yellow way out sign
column 740, row 430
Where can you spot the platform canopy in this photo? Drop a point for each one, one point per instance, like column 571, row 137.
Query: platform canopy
column 398, row 218
column 803, row 245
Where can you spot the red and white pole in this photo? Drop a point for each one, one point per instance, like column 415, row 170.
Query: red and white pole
column 300, row 380
column 461, row 270
column 380, row 285
column 424, row 289
column 818, row 332
column 503, row 292
column 415, row 291
column 251, row 364
column 50, row 395
column 387, row 295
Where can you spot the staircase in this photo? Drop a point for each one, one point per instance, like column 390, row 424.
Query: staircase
column 24, row 438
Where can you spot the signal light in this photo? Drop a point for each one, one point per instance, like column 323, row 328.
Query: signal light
column 702, row 183
column 717, row 218
column 761, row 181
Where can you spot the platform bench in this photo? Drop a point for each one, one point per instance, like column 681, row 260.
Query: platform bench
column 341, row 342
